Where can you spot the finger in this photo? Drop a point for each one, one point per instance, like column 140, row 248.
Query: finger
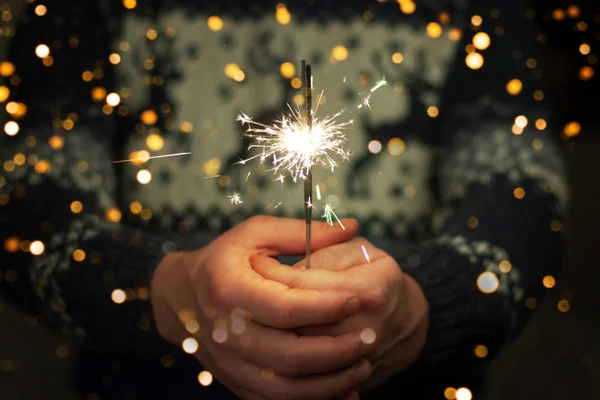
column 284, row 236
column 273, row 304
column 221, row 371
column 314, row 279
column 267, row 384
column 367, row 335
column 317, row 279
column 342, row 256
column 340, row 328
column 291, row 355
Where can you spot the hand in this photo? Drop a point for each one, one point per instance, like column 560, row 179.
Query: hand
column 240, row 319
column 394, row 315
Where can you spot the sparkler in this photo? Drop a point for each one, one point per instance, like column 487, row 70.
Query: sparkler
column 297, row 142
column 151, row 158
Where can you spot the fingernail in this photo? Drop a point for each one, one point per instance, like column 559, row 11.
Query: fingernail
column 352, row 306
column 364, row 370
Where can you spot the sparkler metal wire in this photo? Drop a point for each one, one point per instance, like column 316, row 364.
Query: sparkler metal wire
column 300, row 140
column 308, row 181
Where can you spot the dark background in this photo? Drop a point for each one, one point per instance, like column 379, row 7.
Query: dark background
column 558, row 354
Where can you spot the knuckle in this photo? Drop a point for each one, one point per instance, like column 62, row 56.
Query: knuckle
column 250, row 225
column 256, row 220
column 378, row 298
column 240, row 227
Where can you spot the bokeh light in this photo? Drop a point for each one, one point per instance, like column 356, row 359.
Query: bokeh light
column 205, row 378
column 190, row 345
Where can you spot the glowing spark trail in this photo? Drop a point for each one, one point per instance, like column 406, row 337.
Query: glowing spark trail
column 329, row 216
column 318, row 192
column 275, row 205
column 151, row 158
column 366, row 254
column 235, row 198
column 366, row 100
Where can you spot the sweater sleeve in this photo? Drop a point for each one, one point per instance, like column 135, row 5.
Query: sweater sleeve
column 501, row 188
column 66, row 254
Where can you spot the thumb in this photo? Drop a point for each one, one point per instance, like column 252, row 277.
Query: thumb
column 285, row 236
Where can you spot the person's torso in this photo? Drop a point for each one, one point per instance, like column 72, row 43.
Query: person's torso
column 187, row 71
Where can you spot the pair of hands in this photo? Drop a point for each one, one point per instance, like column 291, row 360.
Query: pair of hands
column 268, row 331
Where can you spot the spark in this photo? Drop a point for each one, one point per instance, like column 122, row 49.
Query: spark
column 329, row 216
column 367, row 100
column 151, row 158
column 277, row 205
column 248, row 176
column 365, row 253
column 294, row 148
column 235, row 198
column 212, row 177
column 309, row 204
column 318, row 192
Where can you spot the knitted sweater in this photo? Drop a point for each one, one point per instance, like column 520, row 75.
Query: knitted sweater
column 454, row 170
